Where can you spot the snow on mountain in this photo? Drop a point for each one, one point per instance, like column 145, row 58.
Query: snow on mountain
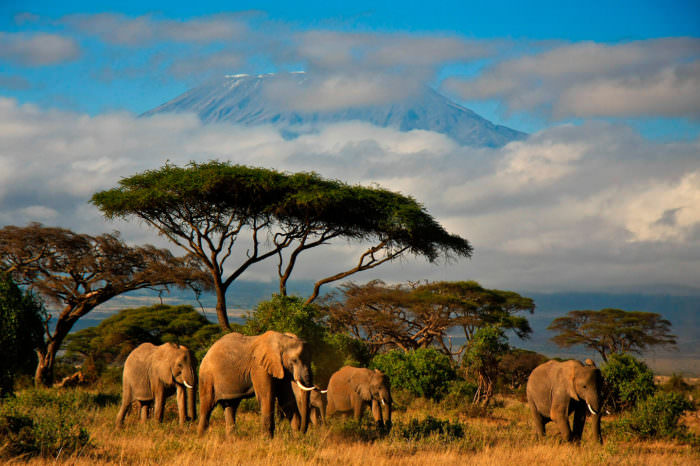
column 241, row 99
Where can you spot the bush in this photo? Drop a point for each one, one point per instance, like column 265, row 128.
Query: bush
column 627, row 381
column 42, row 422
column 419, row 429
column 658, row 415
column 424, row 372
column 460, row 394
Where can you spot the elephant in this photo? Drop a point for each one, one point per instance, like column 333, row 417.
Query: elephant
column 557, row 389
column 239, row 366
column 352, row 388
column 152, row 373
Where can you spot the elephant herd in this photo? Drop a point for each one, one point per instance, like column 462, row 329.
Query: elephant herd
column 273, row 367
column 276, row 367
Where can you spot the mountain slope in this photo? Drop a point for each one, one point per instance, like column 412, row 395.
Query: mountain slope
column 241, row 99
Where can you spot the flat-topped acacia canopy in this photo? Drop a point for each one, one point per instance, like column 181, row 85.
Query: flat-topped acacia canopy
column 205, row 207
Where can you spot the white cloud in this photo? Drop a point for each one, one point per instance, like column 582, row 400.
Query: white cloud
column 584, row 207
column 640, row 78
column 116, row 28
column 37, row 49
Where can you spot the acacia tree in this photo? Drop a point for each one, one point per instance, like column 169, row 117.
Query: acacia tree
column 419, row 315
column 611, row 331
column 208, row 208
column 484, row 352
column 79, row 272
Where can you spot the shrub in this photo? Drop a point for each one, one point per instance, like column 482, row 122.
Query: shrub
column 460, row 394
column 41, row 422
column 675, row 383
column 658, row 415
column 424, row 372
column 419, row 429
column 627, row 381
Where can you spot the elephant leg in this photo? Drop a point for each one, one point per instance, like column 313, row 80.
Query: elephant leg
column 377, row 413
column 267, row 410
column 181, row 405
column 579, row 422
column 230, row 409
column 206, row 406
column 143, row 407
column 562, row 421
column 126, row 405
column 537, row 419
column 159, row 404
column 314, row 416
column 357, row 410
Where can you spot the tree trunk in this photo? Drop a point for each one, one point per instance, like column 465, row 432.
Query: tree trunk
column 43, row 377
column 221, row 313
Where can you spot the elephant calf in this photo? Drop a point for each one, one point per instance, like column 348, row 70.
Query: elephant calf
column 557, row 389
column 352, row 388
column 152, row 373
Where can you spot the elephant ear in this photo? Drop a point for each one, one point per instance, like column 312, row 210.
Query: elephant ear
column 268, row 354
column 571, row 383
column 361, row 384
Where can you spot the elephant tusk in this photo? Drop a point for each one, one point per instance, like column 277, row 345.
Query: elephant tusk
column 591, row 409
column 319, row 390
column 382, row 400
column 306, row 389
column 187, row 385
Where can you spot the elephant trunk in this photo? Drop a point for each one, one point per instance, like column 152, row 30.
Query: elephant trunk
column 386, row 413
column 192, row 403
column 596, row 428
column 304, row 408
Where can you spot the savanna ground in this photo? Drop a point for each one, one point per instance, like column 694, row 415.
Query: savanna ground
column 499, row 435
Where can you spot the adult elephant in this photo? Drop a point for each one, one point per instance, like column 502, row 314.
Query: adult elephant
column 352, row 388
column 152, row 373
column 557, row 389
column 265, row 366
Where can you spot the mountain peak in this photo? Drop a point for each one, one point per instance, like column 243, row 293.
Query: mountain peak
column 241, row 99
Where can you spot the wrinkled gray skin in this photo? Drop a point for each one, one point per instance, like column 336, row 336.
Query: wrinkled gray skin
column 265, row 366
column 557, row 389
column 152, row 373
column 317, row 404
column 352, row 388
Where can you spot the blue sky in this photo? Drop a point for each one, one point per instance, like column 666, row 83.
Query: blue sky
column 609, row 178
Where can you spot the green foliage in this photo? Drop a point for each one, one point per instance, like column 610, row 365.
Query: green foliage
column 46, row 423
column 460, row 393
column 115, row 337
column 676, row 383
column 627, row 381
column 658, row 415
column 21, row 331
column 329, row 351
column 424, row 372
column 430, row 426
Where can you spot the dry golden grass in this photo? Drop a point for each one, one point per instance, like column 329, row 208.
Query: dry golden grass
column 503, row 438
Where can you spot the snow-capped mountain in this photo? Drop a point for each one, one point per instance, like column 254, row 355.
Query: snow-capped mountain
column 241, row 99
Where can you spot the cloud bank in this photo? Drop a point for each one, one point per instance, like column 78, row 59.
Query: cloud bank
column 590, row 207
column 641, row 78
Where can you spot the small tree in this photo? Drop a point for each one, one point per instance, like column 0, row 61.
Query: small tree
column 209, row 208
column 516, row 365
column 612, row 331
column 481, row 359
column 79, row 272
column 627, row 381
column 21, row 328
